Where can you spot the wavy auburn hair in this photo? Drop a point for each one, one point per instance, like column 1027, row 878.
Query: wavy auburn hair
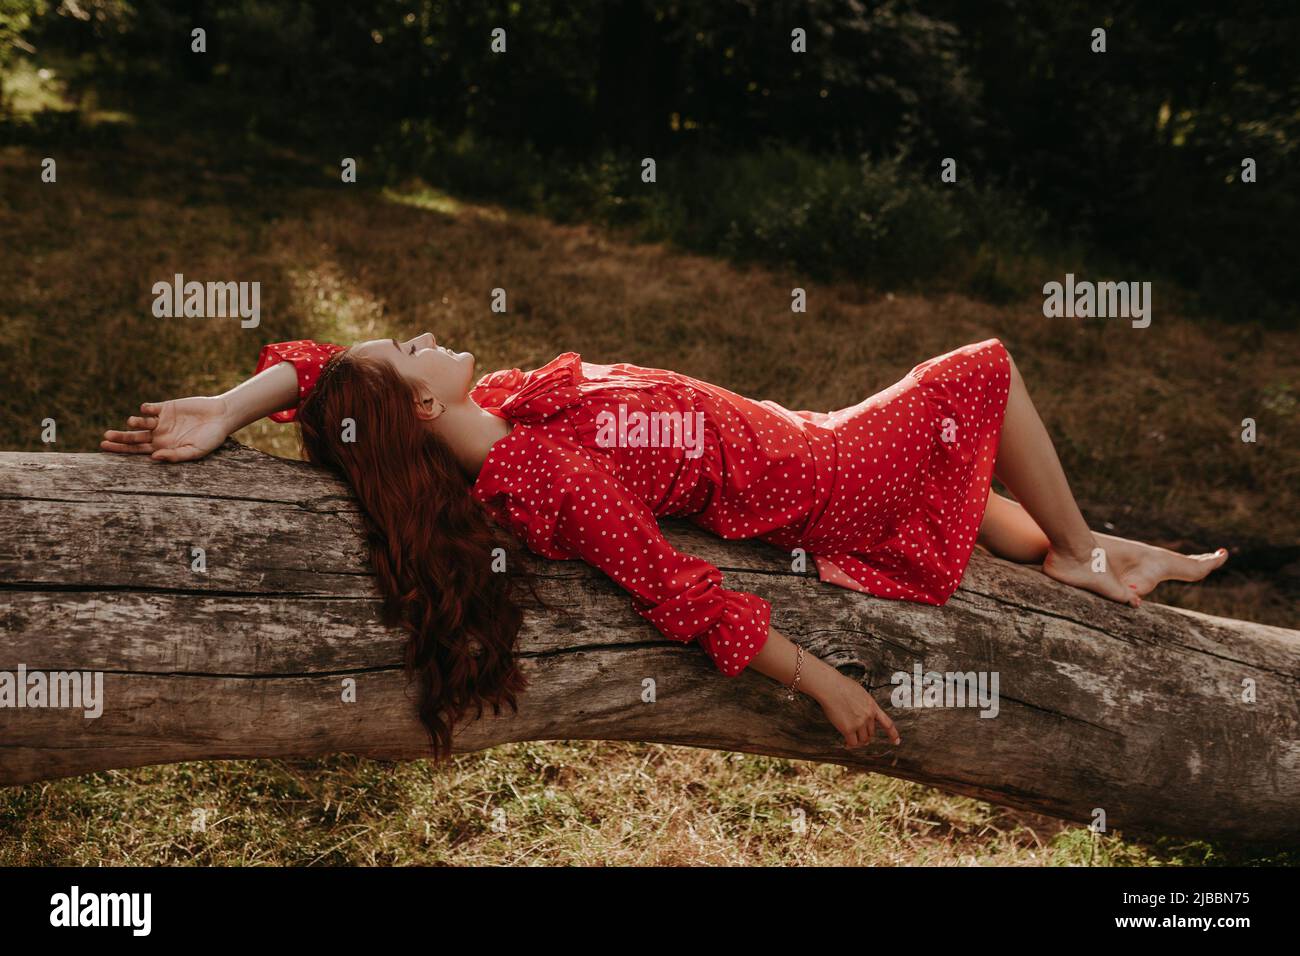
column 430, row 542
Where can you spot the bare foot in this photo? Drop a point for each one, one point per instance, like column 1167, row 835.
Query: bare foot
column 1092, row 573
column 1143, row 566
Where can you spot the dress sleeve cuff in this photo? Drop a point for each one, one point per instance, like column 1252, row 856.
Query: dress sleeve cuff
column 308, row 358
column 731, row 626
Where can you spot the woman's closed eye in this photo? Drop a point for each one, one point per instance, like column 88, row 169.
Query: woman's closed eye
column 412, row 351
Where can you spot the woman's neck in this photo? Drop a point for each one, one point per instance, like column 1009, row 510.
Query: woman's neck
column 470, row 432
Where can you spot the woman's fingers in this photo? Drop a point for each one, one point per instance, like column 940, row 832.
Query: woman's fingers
column 138, row 421
column 128, row 438
column 151, row 408
column 187, row 453
column 184, row 453
column 888, row 727
column 866, row 733
column 123, row 448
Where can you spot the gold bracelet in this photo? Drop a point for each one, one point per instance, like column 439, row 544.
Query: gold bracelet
column 798, row 668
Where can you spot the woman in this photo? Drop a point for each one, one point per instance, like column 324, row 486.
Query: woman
column 889, row 496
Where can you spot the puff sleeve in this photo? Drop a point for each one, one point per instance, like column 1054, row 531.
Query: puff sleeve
column 561, row 505
column 307, row 357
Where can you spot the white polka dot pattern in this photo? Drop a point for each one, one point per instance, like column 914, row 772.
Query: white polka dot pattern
column 307, row 358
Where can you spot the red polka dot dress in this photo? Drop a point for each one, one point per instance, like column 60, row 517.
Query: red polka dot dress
column 886, row 496
column 307, row 357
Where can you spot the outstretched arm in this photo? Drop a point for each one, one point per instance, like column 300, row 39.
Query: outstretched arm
column 184, row 429
column 188, row 428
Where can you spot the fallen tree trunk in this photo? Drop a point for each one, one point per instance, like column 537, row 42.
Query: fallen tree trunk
column 1169, row 722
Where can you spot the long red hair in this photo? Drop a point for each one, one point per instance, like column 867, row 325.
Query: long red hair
column 430, row 542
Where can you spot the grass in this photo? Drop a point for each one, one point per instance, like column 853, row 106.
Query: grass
column 1147, row 422
column 566, row 803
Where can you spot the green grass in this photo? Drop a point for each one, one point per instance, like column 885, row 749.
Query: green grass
column 583, row 803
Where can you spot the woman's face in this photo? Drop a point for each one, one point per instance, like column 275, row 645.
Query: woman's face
column 432, row 369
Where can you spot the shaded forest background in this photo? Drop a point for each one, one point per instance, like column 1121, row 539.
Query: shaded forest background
column 1125, row 163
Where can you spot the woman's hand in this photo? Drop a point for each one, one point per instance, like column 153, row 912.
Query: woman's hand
column 180, row 430
column 854, row 712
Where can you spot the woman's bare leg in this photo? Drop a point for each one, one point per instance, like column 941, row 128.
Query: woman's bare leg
column 1028, row 466
column 1009, row 532
column 1112, row 567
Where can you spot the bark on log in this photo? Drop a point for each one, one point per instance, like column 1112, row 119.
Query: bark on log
column 1138, row 713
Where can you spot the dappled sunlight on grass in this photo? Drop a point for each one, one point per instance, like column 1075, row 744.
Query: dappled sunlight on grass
column 427, row 198
column 334, row 306
column 337, row 312
column 420, row 196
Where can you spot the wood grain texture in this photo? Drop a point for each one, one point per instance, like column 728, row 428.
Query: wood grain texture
column 1138, row 713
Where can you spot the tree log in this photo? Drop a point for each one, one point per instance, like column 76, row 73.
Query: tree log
column 1168, row 721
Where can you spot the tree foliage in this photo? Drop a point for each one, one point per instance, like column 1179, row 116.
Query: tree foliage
column 1136, row 151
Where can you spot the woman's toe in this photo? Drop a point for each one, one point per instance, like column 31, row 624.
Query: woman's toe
column 1198, row 566
column 1117, row 590
column 1141, row 584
